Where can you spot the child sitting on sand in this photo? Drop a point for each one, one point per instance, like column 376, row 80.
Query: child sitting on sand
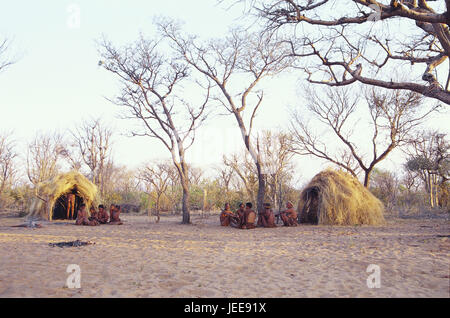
column 94, row 214
column 102, row 215
column 114, row 215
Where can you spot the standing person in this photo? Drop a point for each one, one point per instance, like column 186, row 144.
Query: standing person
column 289, row 216
column 103, row 216
column 266, row 218
column 226, row 215
column 70, row 203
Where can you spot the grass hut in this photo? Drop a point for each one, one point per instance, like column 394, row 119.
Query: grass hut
column 50, row 196
column 337, row 198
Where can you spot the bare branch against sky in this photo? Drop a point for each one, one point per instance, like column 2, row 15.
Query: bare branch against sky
column 151, row 92
column 364, row 41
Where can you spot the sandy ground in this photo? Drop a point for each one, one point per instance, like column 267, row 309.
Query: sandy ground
column 142, row 259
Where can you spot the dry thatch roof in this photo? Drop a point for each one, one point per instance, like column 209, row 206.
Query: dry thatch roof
column 49, row 191
column 337, row 198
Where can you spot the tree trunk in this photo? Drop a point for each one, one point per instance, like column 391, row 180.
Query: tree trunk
column 186, row 213
column 149, row 205
column 100, row 184
column 280, row 196
column 157, row 207
column 2, row 187
column 437, row 191
column 429, row 189
column 436, row 188
column 430, row 181
column 261, row 189
column 367, row 175
column 205, row 197
column 275, row 197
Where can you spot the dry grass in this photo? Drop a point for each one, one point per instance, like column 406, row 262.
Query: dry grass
column 46, row 193
column 337, row 198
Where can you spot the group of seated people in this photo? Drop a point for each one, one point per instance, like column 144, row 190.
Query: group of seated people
column 245, row 217
column 98, row 217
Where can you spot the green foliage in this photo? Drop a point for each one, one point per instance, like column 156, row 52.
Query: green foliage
column 144, row 201
column 196, row 197
column 419, row 163
column 17, row 198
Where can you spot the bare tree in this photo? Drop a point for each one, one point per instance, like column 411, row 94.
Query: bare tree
column 151, row 92
column 156, row 179
column 93, row 141
column 71, row 155
column 120, row 185
column 410, row 180
column 429, row 158
column 195, row 175
column 385, row 186
column 245, row 169
column 346, row 47
column 222, row 184
column 8, row 168
column 241, row 59
column 392, row 117
column 276, row 150
column 224, row 179
column 173, row 191
column 5, row 61
column 123, row 187
column 276, row 154
column 43, row 155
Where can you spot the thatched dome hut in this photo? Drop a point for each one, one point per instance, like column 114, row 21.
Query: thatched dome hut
column 50, row 196
column 337, row 198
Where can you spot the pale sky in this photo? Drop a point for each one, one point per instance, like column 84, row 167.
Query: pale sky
column 57, row 82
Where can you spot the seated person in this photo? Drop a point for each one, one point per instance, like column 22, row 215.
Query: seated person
column 82, row 217
column 249, row 217
column 238, row 219
column 226, row 215
column 111, row 211
column 114, row 215
column 266, row 218
column 289, row 216
column 102, row 214
column 94, row 216
column 93, row 213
